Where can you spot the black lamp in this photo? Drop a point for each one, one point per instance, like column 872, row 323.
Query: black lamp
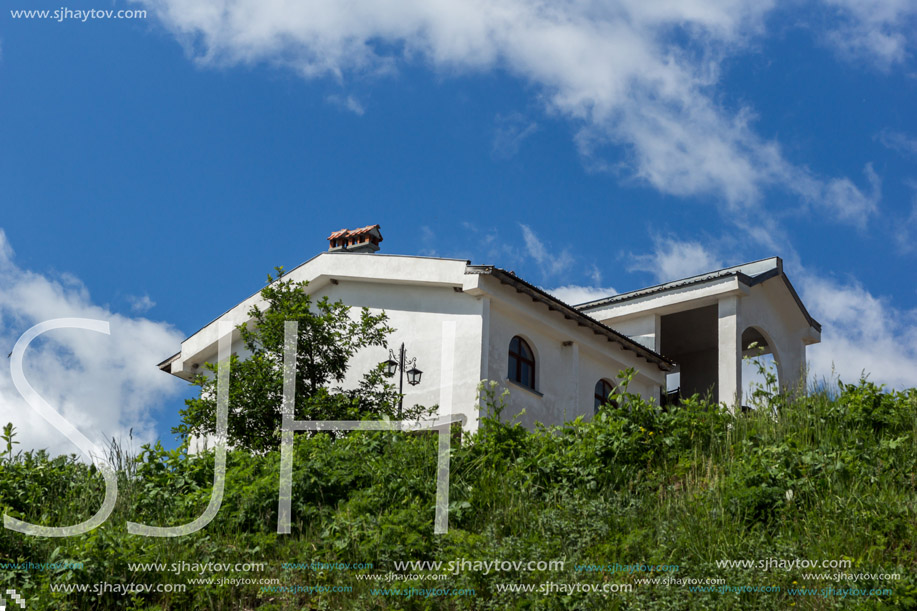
column 413, row 374
column 391, row 366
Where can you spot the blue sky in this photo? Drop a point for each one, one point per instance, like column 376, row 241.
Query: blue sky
column 153, row 170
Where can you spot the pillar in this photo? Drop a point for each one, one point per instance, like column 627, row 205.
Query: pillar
column 729, row 352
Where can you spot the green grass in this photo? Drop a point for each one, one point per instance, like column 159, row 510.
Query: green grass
column 832, row 476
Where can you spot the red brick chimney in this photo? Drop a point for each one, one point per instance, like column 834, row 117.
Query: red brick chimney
column 365, row 239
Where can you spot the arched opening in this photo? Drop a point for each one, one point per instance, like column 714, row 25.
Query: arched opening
column 760, row 367
column 602, row 392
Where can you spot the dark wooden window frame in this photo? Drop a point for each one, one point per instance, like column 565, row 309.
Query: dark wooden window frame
column 519, row 358
column 602, row 399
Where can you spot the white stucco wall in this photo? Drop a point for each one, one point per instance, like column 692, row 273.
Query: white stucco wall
column 438, row 326
column 565, row 374
column 643, row 329
column 769, row 308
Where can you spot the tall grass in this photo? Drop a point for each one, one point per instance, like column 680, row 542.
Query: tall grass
column 831, row 476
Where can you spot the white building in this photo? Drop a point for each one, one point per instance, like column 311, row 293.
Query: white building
column 467, row 323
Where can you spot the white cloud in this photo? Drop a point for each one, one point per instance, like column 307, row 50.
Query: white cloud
column 428, row 242
column 551, row 263
column 843, row 199
column 860, row 333
column 574, row 294
column 880, row 31
column 6, row 252
column 636, row 75
column 906, row 228
column 105, row 385
column 140, row 305
column 481, row 245
column 348, row 103
column 509, row 134
column 673, row 259
column 898, row 141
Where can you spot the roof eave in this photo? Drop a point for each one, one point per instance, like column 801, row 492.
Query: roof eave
column 166, row 365
column 726, row 272
column 572, row 313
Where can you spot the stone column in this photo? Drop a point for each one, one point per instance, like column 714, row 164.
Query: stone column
column 729, row 351
column 570, row 353
column 791, row 361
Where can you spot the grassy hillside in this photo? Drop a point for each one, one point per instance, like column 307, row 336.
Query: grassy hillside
column 830, row 479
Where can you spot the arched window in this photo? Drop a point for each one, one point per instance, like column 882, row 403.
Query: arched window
column 521, row 363
column 603, row 389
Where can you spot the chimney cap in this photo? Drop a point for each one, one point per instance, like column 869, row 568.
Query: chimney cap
column 364, row 239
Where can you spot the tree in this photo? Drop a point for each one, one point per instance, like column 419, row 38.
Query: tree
column 329, row 336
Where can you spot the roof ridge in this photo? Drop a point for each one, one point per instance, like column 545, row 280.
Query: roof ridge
column 725, row 272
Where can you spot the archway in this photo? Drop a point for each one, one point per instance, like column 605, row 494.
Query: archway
column 761, row 367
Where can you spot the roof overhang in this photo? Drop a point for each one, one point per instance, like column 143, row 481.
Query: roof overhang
column 700, row 290
column 166, row 365
column 568, row 312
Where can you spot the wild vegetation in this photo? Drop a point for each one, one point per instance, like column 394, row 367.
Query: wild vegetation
column 831, row 477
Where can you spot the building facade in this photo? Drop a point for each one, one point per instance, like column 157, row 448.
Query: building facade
column 469, row 323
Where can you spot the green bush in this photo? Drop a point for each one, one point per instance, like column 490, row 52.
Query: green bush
column 831, row 477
